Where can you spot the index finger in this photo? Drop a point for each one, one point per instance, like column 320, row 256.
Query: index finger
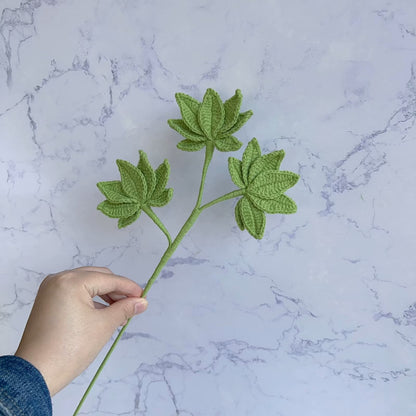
column 100, row 283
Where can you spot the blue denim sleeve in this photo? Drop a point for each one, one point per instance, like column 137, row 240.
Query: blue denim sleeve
column 23, row 391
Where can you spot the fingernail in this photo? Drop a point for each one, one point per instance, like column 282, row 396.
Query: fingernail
column 140, row 306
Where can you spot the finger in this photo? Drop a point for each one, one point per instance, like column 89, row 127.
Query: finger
column 119, row 312
column 94, row 269
column 111, row 297
column 106, row 298
column 84, row 268
column 98, row 283
column 99, row 305
column 115, row 297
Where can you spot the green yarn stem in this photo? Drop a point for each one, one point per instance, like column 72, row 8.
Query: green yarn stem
column 159, row 223
column 233, row 194
column 100, row 368
column 209, row 151
column 167, row 254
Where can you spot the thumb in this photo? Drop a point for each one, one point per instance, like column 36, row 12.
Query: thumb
column 120, row 311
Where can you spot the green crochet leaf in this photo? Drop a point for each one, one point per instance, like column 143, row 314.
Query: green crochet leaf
column 190, row 146
column 162, row 199
column 281, row 204
column 270, row 161
column 253, row 218
column 211, row 114
column 232, row 110
column 238, row 217
column 241, row 120
column 113, row 191
column 140, row 188
column 270, row 183
column 211, row 120
column 234, row 167
column 124, row 222
column 189, row 110
column 162, row 176
column 132, row 180
column 228, row 144
column 113, row 210
column 147, row 172
column 263, row 185
column 251, row 153
column 180, row 126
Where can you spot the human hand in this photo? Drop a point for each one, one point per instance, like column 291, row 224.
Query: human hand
column 67, row 329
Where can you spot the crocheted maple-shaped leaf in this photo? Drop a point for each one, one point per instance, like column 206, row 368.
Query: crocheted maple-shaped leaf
column 139, row 189
column 209, row 121
column 264, row 186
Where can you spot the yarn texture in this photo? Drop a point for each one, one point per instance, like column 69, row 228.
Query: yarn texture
column 263, row 185
column 209, row 121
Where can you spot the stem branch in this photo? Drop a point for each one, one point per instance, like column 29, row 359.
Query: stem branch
column 230, row 195
column 159, row 223
column 209, row 151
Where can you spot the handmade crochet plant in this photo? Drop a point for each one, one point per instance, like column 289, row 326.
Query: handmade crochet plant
column 210, row 125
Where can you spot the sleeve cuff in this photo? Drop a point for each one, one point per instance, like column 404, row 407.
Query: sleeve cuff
column 23, row 390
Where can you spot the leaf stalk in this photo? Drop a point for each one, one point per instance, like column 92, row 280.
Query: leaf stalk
column 159, row 223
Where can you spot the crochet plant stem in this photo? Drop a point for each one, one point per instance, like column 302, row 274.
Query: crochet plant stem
column 209, row 124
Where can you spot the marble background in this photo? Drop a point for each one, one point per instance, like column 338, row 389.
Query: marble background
column 316, row 319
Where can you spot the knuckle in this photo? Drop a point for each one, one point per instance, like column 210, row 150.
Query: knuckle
column 57, row 279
